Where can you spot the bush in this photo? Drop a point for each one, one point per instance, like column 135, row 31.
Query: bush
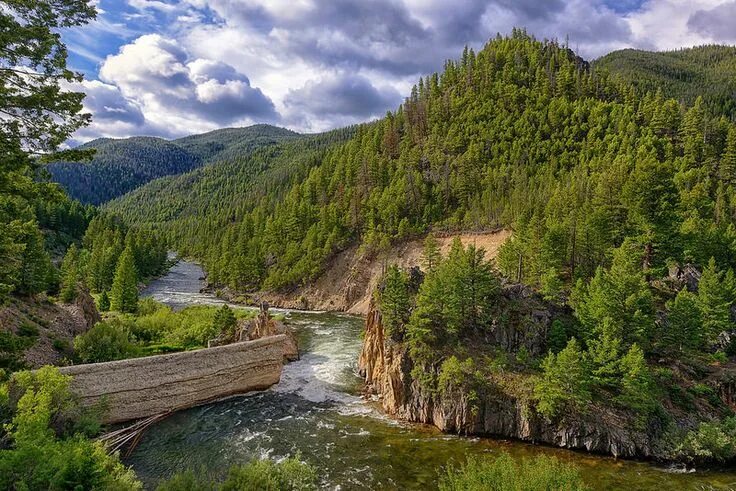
column 106, row 341
column 266, row 475
column 506, row 474
column 260, row 475
column 40, row 455
column 715, row 441
column 28, row 330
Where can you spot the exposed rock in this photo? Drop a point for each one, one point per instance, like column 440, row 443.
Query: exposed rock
column 684, row 276
column 141, row 387
column 87, row 308
column 386, row 367
column 264, row 325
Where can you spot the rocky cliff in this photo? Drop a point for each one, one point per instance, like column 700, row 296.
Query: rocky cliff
column 498, row 411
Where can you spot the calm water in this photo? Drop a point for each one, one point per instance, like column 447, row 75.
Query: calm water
column 315, row 411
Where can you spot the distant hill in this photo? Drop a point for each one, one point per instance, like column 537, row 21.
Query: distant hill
column 121, row 165
column 684, row 74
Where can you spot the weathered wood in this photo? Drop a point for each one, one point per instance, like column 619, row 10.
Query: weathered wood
column 148, row 387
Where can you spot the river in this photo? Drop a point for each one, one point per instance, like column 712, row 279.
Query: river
column 316, row 411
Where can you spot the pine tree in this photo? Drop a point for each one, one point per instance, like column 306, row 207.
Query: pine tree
column 617, row 300
column 637, row 391
column 124, row 292
column 557, row 337
column 35, row 262
column 565, row 382
column 728, row 160
column 104, row 303
column 684, row 327
column 394, row 302
column 714, row 300
column 224, row 321
column 431, row 255
column 70, row 274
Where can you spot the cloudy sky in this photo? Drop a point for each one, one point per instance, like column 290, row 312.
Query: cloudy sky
column 176, row 67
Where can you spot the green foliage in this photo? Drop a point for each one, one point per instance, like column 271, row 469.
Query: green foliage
column 564, row 383
column 186, row 481
column 265, row 475
column 106, row 341
column 124, row 292
column 637, row 387
column 104, row 303
column 557, row 337
column 684, row 74
column 70, row 275
column 224, row 321
column 506, row 474
column 120, row 166
column 394, row 302
column 431, row 254
column 684, row 326
column 39, row 457
column 455, row 300
column 617, row 300
column 712, row 441
column 715, row 297
column 155, row 329
column 39, row 114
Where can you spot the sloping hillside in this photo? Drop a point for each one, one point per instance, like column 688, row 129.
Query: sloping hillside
column 120, row 166
column 684, row 74
column 353, row 275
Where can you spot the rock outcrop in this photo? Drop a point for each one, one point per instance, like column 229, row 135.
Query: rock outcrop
column 387, row 367
column 141, row 387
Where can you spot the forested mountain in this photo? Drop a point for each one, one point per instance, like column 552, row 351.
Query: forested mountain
column 522, row 134
column 211, row 196
column 122, row 165
column 683, row 74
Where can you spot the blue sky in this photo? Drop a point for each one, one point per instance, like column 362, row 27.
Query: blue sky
column 176, row 67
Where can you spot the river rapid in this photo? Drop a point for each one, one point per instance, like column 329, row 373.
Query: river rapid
column 316, row 411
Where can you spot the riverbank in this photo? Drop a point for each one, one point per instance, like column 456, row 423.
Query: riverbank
column 317, row 409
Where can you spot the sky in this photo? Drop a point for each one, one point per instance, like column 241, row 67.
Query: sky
column 171, row 68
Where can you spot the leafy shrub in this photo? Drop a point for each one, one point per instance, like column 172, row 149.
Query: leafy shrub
column 714, row 441
column 506, row 474
column 266, row 475
column 106, row 341
column 40, row 455
column 260, row 475
column 28, row 330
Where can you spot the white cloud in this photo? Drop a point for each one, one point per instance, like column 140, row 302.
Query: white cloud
column 318, row 64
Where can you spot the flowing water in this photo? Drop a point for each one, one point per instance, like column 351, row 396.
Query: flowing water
column 315, row 411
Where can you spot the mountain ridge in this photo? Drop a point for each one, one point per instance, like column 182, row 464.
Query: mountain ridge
column 121, row 165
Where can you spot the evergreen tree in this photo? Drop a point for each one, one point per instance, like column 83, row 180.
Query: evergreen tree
column 728, row 161
column 617, row 301
column 124, row 292
column 557, row 338
column 431, row 255
column 684, row 327
column 564, row 383
column 715, row 298
column 104, row 303
column 637, row 390
column 35, row 263
column 394, row 302
column 224, row 321
column 70, row 274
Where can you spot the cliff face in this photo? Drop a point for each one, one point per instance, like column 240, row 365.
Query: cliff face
column 387, row 367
